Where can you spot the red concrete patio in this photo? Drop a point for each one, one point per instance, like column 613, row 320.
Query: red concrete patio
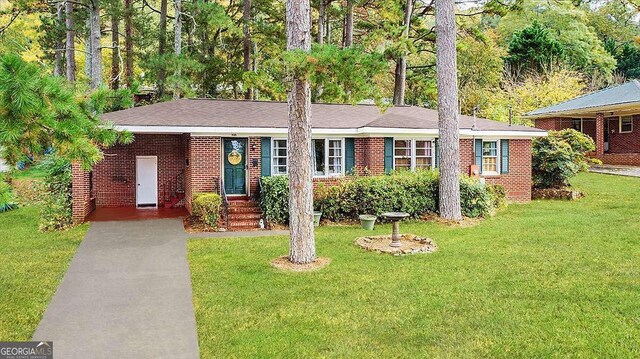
column 107, row 214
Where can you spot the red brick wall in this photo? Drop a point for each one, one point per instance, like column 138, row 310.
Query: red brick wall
column 204, row 161
column 81, row 202
column 624, row 142
column 369, row 155
column 115, row 176
column 255, row 155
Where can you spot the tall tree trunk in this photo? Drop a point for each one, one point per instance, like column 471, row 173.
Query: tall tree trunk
column 95, row 49
column 302, row 246
column 58, row 67
column 321, row 21
column 401, row 63
column 347, row 41
column 115, row 54
column 128, row 42
column 246, row 41
column 162, row 44
column 70, row 42
column 448, row 109
column 177, row 42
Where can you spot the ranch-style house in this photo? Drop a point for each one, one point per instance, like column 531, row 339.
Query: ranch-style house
column 188, row 146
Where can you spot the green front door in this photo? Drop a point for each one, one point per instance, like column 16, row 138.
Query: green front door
column 234, row 166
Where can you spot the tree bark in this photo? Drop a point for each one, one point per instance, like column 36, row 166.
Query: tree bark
column 401, row 63
column 95, row 49
column 302, row 245
column 58, row 67
column 115, row 57
column 162, row 44
column 347, row 41
column 70, row 42
column 128, row 42
column 246, row 41
column 177, row 42
column 321, row 21
column 448, row 110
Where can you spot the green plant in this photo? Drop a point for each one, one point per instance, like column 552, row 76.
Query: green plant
column 498, row 195
column 206, row 206
column 559, row 156
column 413, row 192
column 274, row 199
column 6, row 198
column 55, row 206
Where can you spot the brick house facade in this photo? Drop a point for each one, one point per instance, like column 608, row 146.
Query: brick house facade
column 610, row 116
column 199, row 160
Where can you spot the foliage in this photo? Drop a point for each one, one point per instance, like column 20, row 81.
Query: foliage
column 41, row 112
column 533, row 92
column 413, row 192
column 206, row 206
column 533, row 48
column 274, row 199
column 56, row 203
column 6, row 197
column 558, row 157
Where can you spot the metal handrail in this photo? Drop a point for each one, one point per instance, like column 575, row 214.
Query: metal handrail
column 225, row 201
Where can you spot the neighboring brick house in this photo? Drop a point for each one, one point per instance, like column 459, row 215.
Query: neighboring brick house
column 610, row 116
column 189, row 146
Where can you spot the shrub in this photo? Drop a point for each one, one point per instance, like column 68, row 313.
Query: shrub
column 206, row 206
column 415, row 193
column 559, row 156
column 498, row 196
column 6, row 197
column 274, row 199
column 55, row 206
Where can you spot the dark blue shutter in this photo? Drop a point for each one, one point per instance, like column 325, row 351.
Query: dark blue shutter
column 437, row 149
column 349, row 155
column 388, row 154
column 265, row 155
column 504, row 155
column 479, row 154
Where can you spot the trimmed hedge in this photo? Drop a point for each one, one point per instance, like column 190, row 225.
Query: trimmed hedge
column 413, row 192
column 206, row 206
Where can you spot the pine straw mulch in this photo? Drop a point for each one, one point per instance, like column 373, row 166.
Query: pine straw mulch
column 194, row 225
column 410, row 244
column 283, row 263
column 566, row 193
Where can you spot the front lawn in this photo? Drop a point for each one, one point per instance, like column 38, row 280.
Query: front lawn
column 550, row 278
column 32, row 265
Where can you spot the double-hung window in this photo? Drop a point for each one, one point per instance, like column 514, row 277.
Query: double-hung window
column 626, row 124
column 327, row 157
column 490, row 157
column 279, row 157
column 576, row 124
column 412, row 154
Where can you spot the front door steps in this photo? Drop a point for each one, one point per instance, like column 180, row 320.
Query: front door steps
column 244, row 214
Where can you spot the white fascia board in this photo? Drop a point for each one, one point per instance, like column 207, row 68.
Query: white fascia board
column 355, row 132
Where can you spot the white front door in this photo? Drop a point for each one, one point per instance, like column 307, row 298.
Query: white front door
column 146, row 181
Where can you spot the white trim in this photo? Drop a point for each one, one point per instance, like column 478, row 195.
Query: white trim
column 231, row 132
column 326, row 156
column 155, row 180
column 620, row 124
column 412, row 156
column 498, row 156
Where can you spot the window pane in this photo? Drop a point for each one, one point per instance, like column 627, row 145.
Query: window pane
column 403, row 163
column 489, row 148
column 335, row 156
column 279, row 157
column 627, row 124
column 318, row 160
column 423, row 162
column 489, row 164
column 423, row 148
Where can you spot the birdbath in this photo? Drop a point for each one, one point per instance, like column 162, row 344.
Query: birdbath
column 395, row 218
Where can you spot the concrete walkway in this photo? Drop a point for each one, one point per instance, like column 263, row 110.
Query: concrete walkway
column 127, row 294
column 630, row 171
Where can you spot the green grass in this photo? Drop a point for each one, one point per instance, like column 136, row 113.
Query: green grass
column 546, row 279
column 33, row 172
column 32, row 265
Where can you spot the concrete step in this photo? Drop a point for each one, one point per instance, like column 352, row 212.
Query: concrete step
column 235, row 225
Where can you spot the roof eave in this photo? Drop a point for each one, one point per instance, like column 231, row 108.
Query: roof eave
column 635, row 105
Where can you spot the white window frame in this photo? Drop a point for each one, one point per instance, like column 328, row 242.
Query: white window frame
column 498, row 157
column 620, row 123
column 273, row 163
column 326, row 157
column 413, row 151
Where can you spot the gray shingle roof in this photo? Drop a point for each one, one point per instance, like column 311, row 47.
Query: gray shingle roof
column 617, row 95
column 266, row 114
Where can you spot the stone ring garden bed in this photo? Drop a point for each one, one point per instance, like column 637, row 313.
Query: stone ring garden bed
column 410, row 244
